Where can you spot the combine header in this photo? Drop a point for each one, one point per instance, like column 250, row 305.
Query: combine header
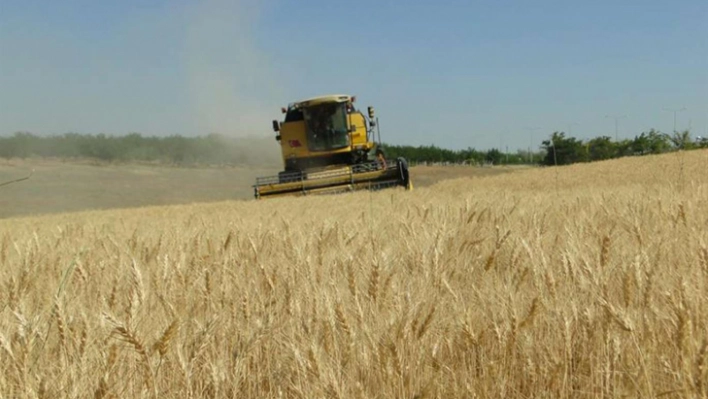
column 328, row 146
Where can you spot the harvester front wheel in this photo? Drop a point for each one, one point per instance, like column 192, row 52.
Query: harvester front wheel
column 404, row 173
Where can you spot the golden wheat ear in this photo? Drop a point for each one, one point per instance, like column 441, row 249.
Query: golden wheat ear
column 162, row 345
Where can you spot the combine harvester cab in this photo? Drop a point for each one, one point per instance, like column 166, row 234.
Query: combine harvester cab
column 328, row 147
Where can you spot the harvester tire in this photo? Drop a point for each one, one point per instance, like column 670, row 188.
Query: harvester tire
column 403, row 170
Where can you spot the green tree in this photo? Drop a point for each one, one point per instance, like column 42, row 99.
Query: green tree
column 682, row 140
column 561, row 150
column 494, row 156
column 601, row 148
column 652, row 142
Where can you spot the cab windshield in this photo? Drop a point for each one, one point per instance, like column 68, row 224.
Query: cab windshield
column 327, row 127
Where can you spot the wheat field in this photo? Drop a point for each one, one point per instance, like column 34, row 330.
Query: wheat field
column 581, row 281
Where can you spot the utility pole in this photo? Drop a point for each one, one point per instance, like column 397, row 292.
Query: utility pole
column 616, row 118
column 531, row 130
column 675, row 111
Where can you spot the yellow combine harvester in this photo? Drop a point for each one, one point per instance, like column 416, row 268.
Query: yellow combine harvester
column 329, row 146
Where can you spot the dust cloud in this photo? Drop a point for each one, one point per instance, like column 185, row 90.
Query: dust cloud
column 235, row 90
column 234, row 93
column 254, row 151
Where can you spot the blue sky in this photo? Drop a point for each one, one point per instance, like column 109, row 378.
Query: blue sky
column 457, row 74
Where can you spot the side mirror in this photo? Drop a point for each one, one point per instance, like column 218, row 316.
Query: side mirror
column 371, row 112
column 276, row 126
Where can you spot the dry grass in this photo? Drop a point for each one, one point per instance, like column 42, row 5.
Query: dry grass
column 583, row 281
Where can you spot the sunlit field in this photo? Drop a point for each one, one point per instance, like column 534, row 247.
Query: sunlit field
column 583, row 281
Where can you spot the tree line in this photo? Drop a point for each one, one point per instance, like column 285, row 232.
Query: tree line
column 433, row 154
column 210, row 149
column 560, row 149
